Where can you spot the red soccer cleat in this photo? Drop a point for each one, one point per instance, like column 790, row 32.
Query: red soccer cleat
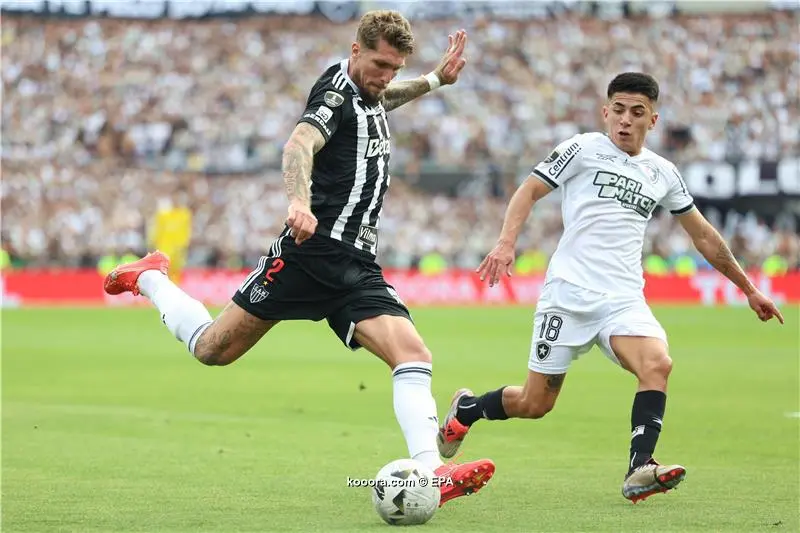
column 463, row 479
column 123, row 278
column 452, row 432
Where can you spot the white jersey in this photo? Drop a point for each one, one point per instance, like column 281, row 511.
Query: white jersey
column 608, row 198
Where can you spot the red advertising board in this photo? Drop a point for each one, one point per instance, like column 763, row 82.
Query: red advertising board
column 215, row 287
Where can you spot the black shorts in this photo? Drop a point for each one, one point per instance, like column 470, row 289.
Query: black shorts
column 318, row 279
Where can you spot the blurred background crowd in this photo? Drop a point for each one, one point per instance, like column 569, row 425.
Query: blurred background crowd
column 104, row 121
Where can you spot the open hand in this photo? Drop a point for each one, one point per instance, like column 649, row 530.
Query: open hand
column 453, row 60
column 499, row 260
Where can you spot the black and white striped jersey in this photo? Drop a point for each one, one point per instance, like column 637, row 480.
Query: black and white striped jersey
column 351, row 172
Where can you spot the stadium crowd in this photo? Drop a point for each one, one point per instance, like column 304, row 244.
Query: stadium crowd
column 103, row 117
column 72, row 216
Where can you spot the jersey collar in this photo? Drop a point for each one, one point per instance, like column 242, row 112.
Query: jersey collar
column 344, row 64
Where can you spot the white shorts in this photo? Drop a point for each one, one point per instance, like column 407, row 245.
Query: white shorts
column 569, row 320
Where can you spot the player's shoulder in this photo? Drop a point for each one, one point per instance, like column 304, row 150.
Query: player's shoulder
column 334, row 85
column 661, row 162
column 581, row 142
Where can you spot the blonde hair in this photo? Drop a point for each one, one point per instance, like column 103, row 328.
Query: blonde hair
column 388, row 25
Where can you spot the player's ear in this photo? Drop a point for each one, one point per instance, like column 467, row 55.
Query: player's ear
column 355, row 49
column 653, row 121
column 605, row 112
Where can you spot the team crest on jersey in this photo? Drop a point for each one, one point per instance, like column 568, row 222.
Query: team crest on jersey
column 627, row 191
column 258, row 293
column 542, row 350
column 651, row 170
column 333, row 99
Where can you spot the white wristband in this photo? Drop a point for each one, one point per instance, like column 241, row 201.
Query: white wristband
column 433, row 80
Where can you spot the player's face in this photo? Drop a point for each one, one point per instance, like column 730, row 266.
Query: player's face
column 373, row 70
column 628, row 118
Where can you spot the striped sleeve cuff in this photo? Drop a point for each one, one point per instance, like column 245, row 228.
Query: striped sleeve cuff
column 683, row 209
column 545, row 179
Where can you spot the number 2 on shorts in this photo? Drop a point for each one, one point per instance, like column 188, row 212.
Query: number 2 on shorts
column 551, row 328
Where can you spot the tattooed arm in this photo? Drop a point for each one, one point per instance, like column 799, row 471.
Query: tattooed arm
column 712, row 246
column 298, row 160
column 401, row 92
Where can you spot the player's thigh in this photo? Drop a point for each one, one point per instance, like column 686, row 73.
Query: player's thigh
column 633, row 338
column 393, row 338
column 230, row 336
column 374, row 317
column 559, row 337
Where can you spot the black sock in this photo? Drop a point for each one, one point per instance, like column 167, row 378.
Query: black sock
column 488, row 406
column 646, row 415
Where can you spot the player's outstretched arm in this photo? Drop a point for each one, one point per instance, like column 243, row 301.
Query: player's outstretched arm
column 298, row 160
column 501, row 258
column 401, row 92
column 712, row 246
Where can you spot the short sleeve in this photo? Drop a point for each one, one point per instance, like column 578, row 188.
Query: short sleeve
column 677, row 200
column 563, row 163
column 324, row 109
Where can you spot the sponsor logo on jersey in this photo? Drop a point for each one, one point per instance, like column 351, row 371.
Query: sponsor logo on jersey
column 552, row 157
column 606, row 157
column 324, row 113
column 378, row 147
column 318, row 118
column 367, row 235
column 626, row 191
column 333, row 99
column 563, row 159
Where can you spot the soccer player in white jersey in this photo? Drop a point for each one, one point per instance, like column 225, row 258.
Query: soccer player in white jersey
column 593, row 293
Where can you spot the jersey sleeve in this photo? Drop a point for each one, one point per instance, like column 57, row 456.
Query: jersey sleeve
column 563, row 163
column 677, row 200
column 324, row 109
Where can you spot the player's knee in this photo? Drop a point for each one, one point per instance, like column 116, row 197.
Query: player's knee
column 658, row 365
column 413, row 349
column 418, row 353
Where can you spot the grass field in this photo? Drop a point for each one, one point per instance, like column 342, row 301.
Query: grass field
column 110, row 425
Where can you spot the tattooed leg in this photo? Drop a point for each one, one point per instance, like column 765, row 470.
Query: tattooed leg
column 230, row 336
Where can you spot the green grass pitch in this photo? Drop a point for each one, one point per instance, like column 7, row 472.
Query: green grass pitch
column 109, row 425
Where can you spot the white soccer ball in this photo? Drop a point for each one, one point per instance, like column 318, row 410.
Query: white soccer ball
column 405, row 493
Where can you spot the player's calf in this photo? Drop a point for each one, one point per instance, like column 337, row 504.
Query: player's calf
column 230, row 336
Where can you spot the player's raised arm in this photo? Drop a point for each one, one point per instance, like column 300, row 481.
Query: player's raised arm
column 453, row 60
column 712, row 246
column 501, row 258
column 298, row 159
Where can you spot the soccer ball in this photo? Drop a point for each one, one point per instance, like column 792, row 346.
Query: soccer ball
column 405, row 493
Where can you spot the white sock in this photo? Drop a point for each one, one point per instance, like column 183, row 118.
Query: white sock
column 185, row 317
column 415, row 410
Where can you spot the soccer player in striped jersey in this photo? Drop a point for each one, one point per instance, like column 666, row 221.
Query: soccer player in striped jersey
column 322, row 266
